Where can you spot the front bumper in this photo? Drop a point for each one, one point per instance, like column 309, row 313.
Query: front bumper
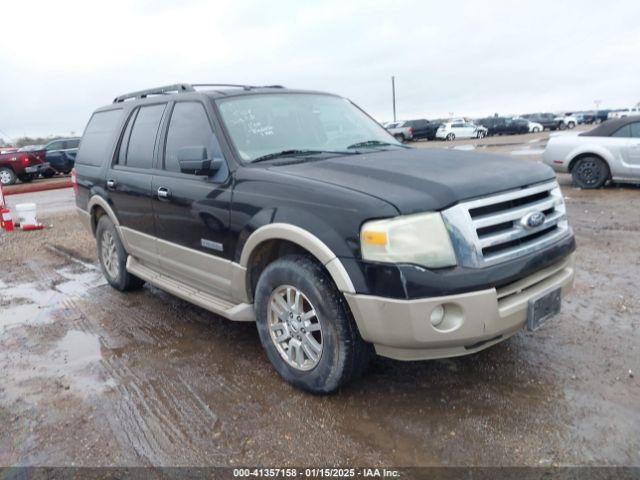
column 401, row 329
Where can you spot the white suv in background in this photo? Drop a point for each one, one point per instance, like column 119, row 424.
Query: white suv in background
column 460, row 128
column 566, row 121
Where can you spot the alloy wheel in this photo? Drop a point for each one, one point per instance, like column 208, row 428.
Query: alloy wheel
column 589, row 171
column 5, row 177
column 109, row 254
column 294, row 328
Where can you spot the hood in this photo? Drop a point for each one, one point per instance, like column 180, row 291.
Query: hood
column 417, row 180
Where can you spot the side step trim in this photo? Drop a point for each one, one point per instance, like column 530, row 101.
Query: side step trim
column 242, row 312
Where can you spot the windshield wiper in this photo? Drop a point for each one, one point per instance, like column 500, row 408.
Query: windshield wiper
column 296, row 153
column 374, row 143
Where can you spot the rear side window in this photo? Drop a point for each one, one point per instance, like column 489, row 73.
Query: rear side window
column 635, row 130
column 623, row 132
column 143, row 136
column 98, row 137
column 188, row 127
column 71, row 143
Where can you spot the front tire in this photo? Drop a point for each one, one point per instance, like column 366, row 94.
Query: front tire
column 306, row 328
column 113, row 257
column 7, row 176
column 590, row 173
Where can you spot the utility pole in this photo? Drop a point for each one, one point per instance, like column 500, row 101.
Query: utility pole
column 393, row 95
column 597, row 104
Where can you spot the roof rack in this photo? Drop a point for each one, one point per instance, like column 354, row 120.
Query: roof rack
column 183, row 87
column 177, row 88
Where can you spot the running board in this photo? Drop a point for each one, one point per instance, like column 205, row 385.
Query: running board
column 242, row 312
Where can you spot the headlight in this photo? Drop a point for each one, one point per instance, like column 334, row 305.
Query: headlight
column 421, row 239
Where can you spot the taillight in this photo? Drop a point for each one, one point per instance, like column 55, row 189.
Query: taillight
column 24, row 159
column 74, row 180
column 411, row 130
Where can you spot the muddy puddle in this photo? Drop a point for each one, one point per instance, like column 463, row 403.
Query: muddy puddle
column 33, row 303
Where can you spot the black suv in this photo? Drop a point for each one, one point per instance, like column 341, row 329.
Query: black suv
column 504, row 125
column 298, row 211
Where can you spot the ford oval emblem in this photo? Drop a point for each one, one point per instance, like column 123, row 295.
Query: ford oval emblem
column 533, row 219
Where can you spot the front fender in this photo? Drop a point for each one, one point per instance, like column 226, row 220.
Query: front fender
column 304, row 239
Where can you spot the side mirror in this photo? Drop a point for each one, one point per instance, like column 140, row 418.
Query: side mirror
column 194, row 161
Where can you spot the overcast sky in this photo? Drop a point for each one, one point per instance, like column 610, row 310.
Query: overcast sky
column 61, row 60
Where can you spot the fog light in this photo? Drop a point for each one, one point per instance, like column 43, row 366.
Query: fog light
column 437, row 315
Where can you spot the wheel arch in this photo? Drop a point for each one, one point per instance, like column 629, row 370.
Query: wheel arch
column 98, row 207
column 271, row 241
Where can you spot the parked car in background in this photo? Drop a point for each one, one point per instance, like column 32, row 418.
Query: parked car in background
column 602, row 116
column 61, row 155
column 626, row 112
column 23, row 166
column 504, row 125
column 548, row 121
column 422, row 129
column 566, row 121
column 610, row 151
column 460, row 129
column 8, row 150
column 585, row 118
column 399, row 131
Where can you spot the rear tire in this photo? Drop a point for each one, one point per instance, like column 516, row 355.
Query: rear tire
column 7, row 176
column 113, row 257
column 285, row 325
column 451, row 137
column 571, row 125
column 535, row 130
column 399, row 137
column 590, row 172
column 48, row 173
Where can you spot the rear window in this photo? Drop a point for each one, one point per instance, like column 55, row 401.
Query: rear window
column 97, row 140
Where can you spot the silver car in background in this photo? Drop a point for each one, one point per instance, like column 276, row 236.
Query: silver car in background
column 400, row 131
column 610, row 151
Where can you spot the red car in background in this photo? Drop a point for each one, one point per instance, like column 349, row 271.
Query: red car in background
column 16, row 164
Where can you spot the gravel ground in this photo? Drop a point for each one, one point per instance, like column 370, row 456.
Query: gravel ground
column 90, row 376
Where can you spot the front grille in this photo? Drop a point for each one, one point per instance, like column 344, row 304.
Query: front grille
column 492, row 229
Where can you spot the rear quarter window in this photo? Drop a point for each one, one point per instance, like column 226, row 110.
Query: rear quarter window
column 98, row 138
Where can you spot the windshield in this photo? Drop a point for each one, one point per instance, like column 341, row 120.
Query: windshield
column 261, row 125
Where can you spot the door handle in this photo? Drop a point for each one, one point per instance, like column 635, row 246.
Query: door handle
column 111, row 184
column 164, row 193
